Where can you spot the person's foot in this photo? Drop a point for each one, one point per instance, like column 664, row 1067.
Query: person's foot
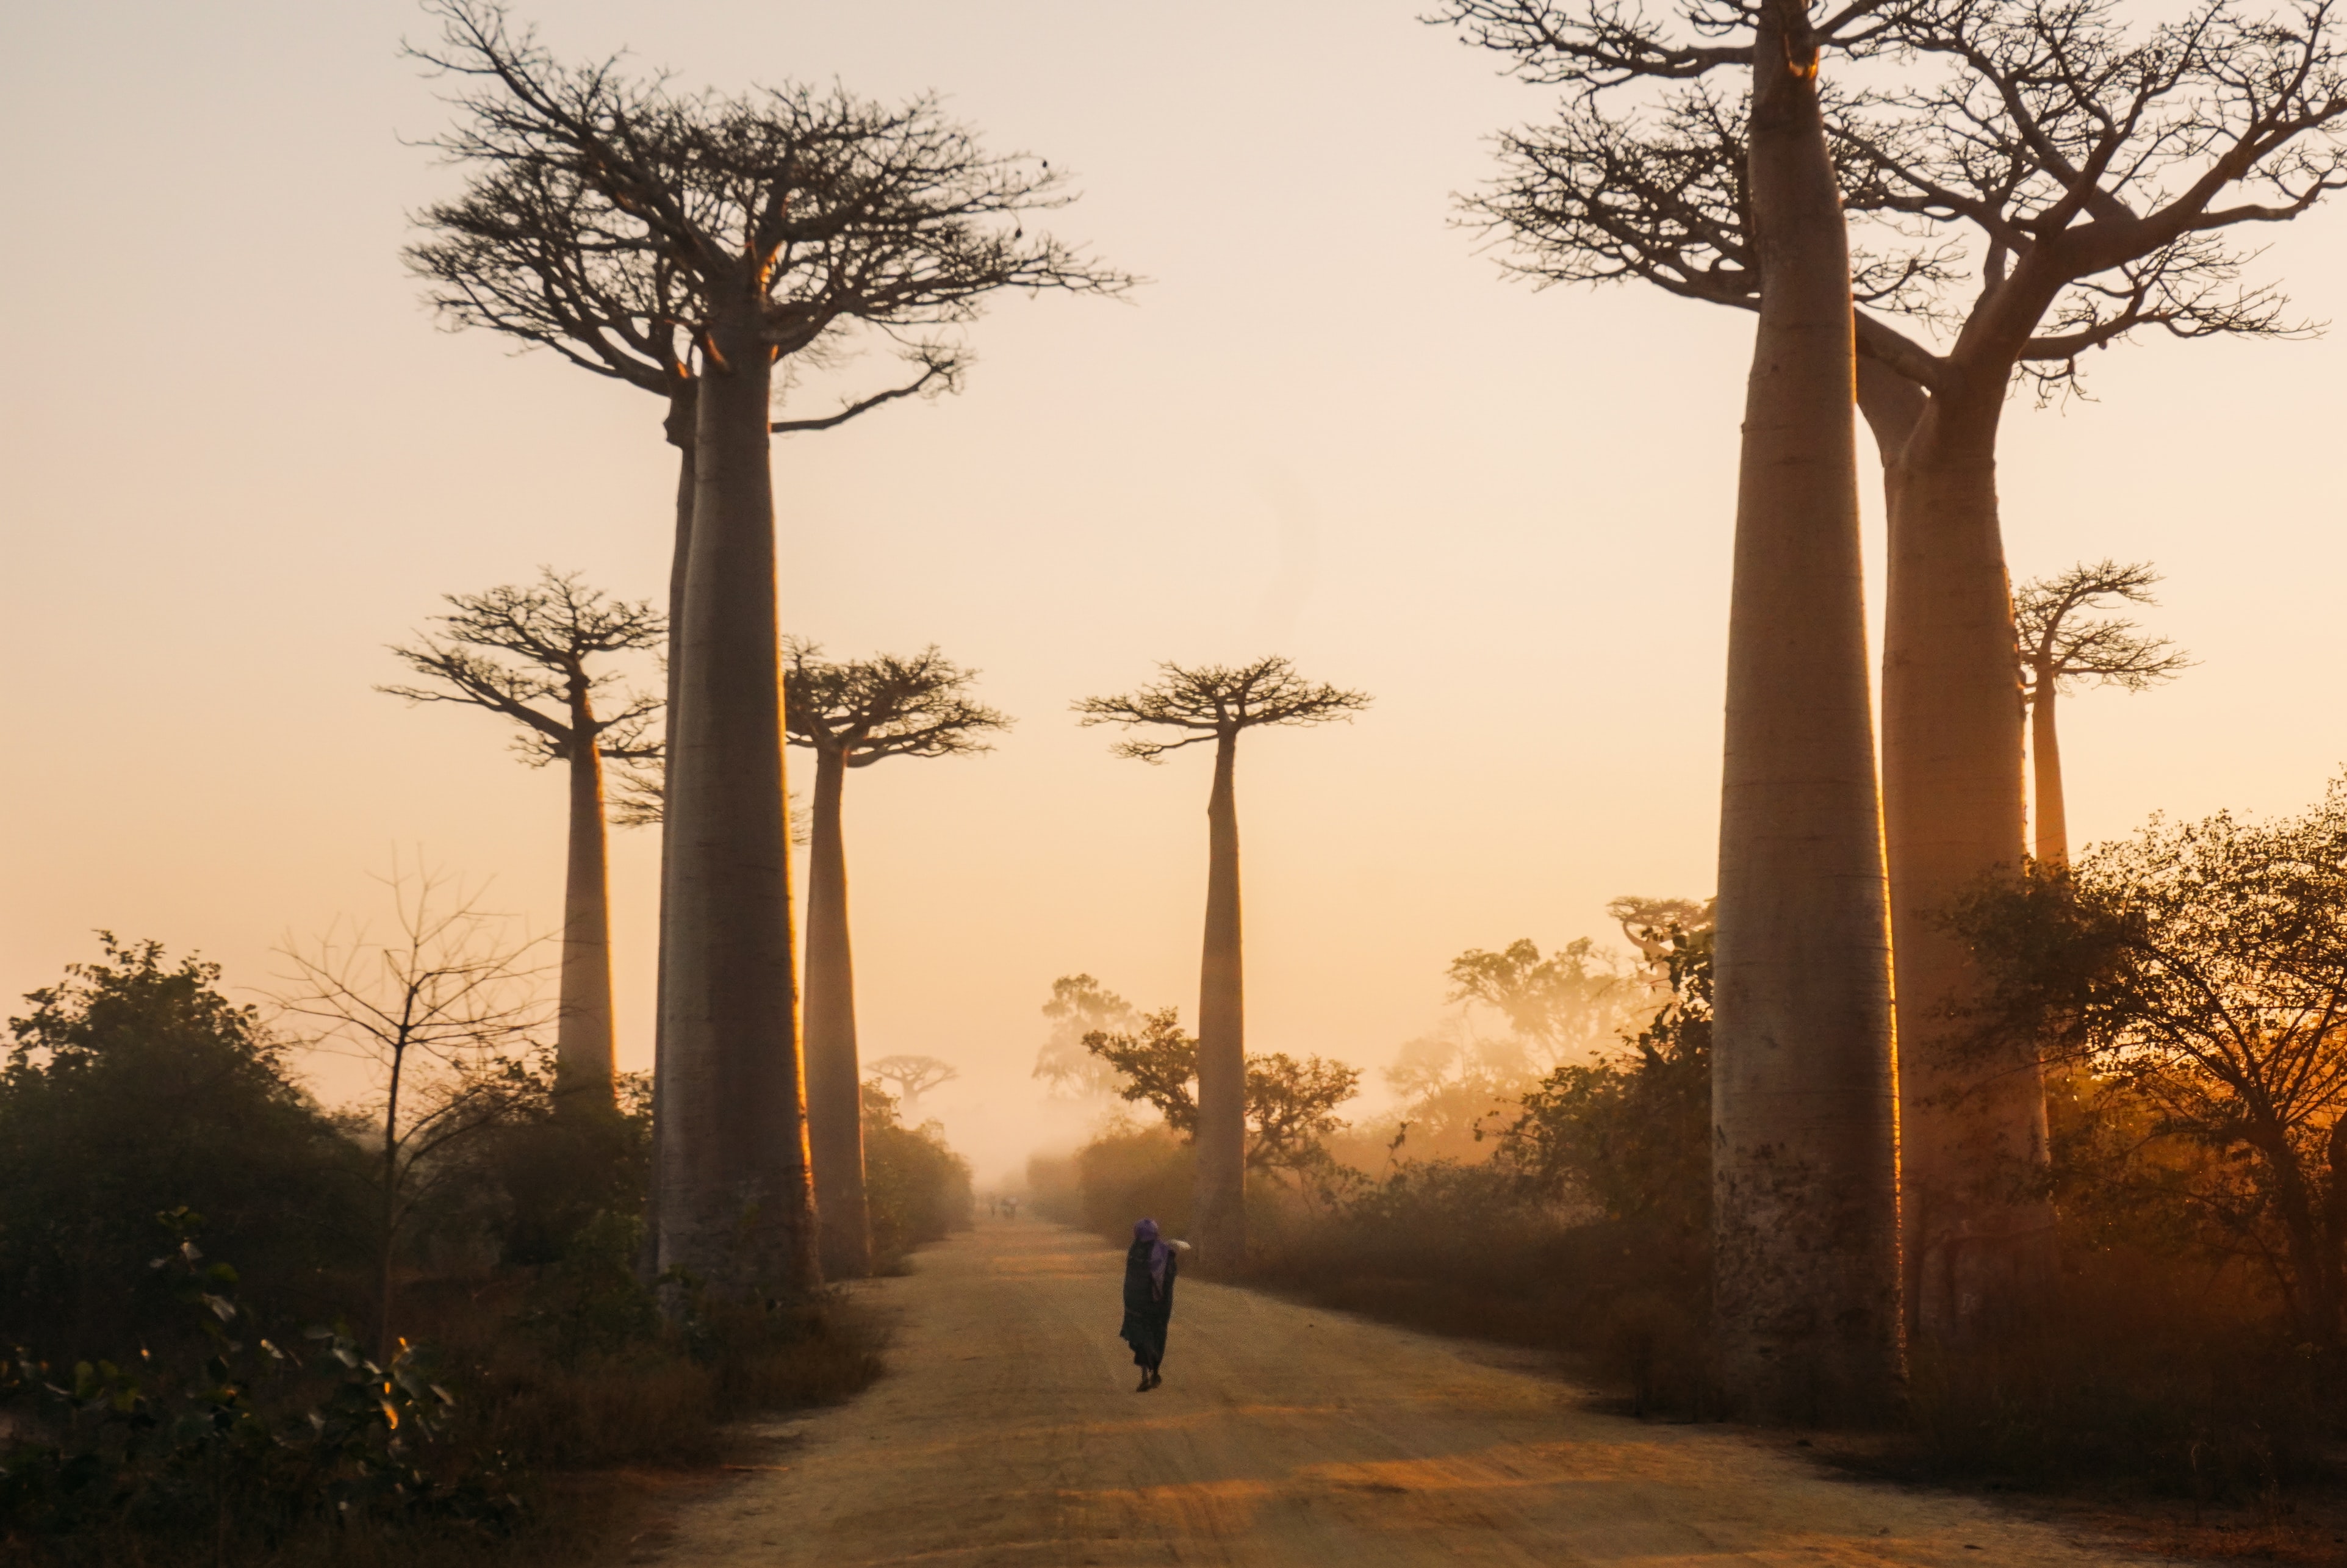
column 1147, row 1383
column 1155, row 1378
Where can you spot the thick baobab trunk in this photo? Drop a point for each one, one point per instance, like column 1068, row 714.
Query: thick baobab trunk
column 833, row 1076
column 684, row 407
column 1978, row 1231
column 736, row 1202
column 1218, row 1220
column 1804, row 1129
column 583, row 1050
column 2045, row 763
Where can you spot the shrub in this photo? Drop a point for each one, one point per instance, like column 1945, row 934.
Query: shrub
column 135, row 1088
column 918, row 1189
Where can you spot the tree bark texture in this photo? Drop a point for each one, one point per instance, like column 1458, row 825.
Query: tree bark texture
column 737, row 1200
column 2045, row 763
column 1978, row 1239
column 584, row 1056
column 682, row 417
column 1805, row 1164
column 1219, row 1201
column 833, row 1075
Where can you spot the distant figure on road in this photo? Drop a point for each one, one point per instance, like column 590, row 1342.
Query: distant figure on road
column 1150, row 1266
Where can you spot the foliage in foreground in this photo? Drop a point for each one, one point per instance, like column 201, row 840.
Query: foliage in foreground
column 164, row 1409
column 2189, row 992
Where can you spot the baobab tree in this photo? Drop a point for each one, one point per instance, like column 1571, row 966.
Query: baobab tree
column 1217, row 703
column 777, row 223
column 2057, row 644
column 914, row 1076
column 550, row 633
column 1805, row 1243
column 2051, row 179
column 852, row 716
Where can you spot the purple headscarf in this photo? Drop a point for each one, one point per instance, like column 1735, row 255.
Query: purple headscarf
column 1146, row 1231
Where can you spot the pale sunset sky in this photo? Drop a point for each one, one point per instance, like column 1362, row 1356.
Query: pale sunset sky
column 240, row 458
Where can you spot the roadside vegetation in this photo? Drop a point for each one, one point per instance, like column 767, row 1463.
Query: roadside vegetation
column 191, row 1250
column 2184, row 989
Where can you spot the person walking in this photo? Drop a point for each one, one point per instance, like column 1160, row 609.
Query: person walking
column 1150, row 1266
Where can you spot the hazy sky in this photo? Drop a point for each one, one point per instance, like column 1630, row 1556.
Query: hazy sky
column 240, row 459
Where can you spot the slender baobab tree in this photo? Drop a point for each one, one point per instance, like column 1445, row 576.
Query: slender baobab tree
column 779, row 222
column 2058, row 644
column 1215, row 703
column 851, row 715
column 549, row 634
column 2052, row 177
column 1805, row 1243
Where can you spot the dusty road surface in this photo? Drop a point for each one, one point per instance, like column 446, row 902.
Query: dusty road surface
column 1007, row 1433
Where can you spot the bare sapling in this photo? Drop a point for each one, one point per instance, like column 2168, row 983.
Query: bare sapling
column 550, row 634
column 1217, row 703
column 444, row 1009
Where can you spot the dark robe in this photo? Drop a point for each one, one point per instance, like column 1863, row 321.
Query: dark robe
column 1147, row 1308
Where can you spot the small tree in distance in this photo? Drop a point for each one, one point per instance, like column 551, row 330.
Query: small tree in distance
column 2058, row 645
column 1081, row 1006
column 550, row 632
column 1289, row 1105
column 852, row 716
column 914, row 1076
column 1217, row 702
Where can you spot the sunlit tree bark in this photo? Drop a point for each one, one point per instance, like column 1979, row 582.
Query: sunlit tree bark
column 2054, row 177
column 1805, row 1219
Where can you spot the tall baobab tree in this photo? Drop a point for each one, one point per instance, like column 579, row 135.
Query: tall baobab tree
column 1805, row 1243
column 1215, row 703
column 550, row 633
column 852, row 716
column 2051, row 177
column 778, row 222
column 2058, row 644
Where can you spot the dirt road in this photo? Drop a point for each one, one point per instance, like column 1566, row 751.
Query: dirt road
column 1007, row 1433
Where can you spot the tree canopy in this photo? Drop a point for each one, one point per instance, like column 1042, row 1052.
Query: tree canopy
column 1213, row 702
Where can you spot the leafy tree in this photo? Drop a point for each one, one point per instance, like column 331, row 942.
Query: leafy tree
column 1563, row 1004
column 1290, row 1105
column 776, row 224
column 1631, row 1136
column 2058, row 645
column 2202, row 968
column 918, row 1188
column 134, row 1088
column 2035, row 180
column 550, row 632
column 1080, row 1005
column 1217, row 702
column 1807, row 1248
column 852, row 716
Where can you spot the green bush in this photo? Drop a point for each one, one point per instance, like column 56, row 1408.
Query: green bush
column 918, row 1190
column 135, row 1088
